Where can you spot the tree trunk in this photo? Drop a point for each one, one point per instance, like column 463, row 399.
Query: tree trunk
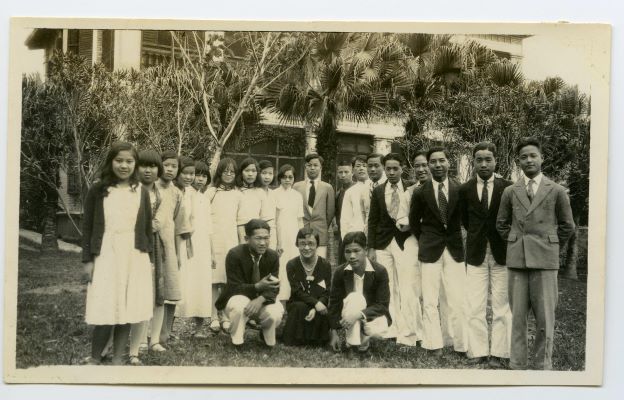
column 214, row 161
column 571, row 257
column 49, row 242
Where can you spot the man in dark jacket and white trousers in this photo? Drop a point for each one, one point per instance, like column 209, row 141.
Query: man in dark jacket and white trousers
column 252, row 270
column 479, row 199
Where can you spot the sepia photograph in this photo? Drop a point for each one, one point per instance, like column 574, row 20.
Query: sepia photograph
column 221, row 202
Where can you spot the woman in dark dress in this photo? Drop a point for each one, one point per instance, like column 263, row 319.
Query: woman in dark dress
column 310, row 280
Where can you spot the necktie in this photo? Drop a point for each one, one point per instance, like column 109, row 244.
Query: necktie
column 530, row 192
column 443, row 203
column 484, row 196
column 312, row 194
column 255, row 274
column 394, row 202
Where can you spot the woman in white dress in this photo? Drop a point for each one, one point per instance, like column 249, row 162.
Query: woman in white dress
column 289, row 219
column 225, row 205
column 197, row 274
column 267, row 175
column 116, row 247
column 254, row 198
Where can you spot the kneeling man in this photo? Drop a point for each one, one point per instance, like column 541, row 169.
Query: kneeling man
column 359, row 297
column 252, row 285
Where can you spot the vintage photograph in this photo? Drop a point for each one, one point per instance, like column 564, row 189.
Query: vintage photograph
column 399, row 199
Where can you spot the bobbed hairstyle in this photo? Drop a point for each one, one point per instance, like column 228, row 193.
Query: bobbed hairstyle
column 224, row 163
column 282, row 171
column 150, row 158
column 305, row 232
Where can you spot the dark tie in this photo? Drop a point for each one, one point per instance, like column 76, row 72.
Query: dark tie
column 484, row 196
column 255, row 273
column 443, row 203
column 312, row 194
column 530, row 192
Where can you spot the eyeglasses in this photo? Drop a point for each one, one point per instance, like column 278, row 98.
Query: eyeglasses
column 228, row 172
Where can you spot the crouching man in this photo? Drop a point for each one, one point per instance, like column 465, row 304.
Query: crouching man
column 359, row 297
column 252, row 285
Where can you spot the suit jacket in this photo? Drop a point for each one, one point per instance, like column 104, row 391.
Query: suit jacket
column 533, row 230
column 339, row 199
column 309, row 292
column 381, row 227
column 426, row 224
column 480, row 224
column 323, row 212
column 376, row 293
column 239, row 270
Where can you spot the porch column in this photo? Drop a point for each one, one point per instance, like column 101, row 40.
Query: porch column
column 382, row 145
column 310, row 138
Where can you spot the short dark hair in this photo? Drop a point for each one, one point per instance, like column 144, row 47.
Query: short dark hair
column 437, row 149
column 201, row 168
column 420, row 153
column 167, row 154
column 360, row 158
column 150, row 158
column 528, row 141
column 354, row 237
column 484, row 146
column 390, row 157
column 254, row 224
column 344, row 163
column 374, row 155
column 305, row 232
column 282, row 171
column 264, row 164
column 244, row 164
column 312, row 156
column 221, row 167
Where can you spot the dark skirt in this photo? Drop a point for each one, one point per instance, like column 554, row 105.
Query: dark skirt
column 298, row 332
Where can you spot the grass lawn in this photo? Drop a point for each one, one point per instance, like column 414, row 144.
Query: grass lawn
column 51, row 330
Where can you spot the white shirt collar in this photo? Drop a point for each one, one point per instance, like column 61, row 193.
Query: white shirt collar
column 491, row 180
column 369, row 267
column 381, row 180
column 399, row 186
column 316, row 181
column 436, row 184
column 537, row 180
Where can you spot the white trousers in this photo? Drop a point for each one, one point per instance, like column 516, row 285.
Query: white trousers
column 404, row 309
column 413, row 283
column 355, row 303
column 269, row 317
column 451, row 275
column 479, row 278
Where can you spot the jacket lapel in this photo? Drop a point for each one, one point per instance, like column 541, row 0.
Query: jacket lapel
column 453, row 196
column 382, row 198
column 521, row 193
column 473, row 194
column 497, row 194
column 369, row 278
column 348, row 281
column 320, row 192
column 431, row 200
column 542, row 191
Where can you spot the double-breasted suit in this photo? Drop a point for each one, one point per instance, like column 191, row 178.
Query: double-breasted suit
column 321, row 214
column 534, row 229
column 485, row 268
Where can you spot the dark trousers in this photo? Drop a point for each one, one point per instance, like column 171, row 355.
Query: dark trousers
column 537, row 290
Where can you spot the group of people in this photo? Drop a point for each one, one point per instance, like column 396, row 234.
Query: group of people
column 161, row 239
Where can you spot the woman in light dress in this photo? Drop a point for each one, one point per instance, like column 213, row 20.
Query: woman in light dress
column 254, row 198
column 289, row 219
column 225, row 206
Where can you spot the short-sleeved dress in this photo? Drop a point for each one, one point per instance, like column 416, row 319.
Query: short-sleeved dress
column 121, row 290
column 225, row 205
column 196, row 276
column 253, row 204
column 289, row 210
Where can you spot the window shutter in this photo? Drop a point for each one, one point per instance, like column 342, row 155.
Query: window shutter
column 85, row 44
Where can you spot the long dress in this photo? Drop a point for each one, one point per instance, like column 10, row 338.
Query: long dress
column 197, row 272
column 268, row 214
column 306, row 292
column 169, row 221
column 253, row 205
column 289, row 210
column 121, row 290
column 225, row 208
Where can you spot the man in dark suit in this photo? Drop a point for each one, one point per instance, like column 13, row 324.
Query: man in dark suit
column 534, row 217
column 385, row 245
column 359, row 297
column 435, row 219
column 252, row 270
column 318, row 200
column 345, row 181
column 479, row 199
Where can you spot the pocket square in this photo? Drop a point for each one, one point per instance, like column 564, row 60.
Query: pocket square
column 322, row 284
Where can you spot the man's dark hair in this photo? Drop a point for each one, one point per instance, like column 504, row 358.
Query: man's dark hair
column 390, row 157
column 528, row 141
column 312, row 156
column 354, row 237
column 344, row 163
column 437, row 149
column 374, row 155
column 305, row 232
column 361, row 158
column 484, row 146
column 254, row 224
column 420, row 153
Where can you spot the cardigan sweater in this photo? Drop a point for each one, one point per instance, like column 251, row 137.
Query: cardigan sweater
column 93, row 223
